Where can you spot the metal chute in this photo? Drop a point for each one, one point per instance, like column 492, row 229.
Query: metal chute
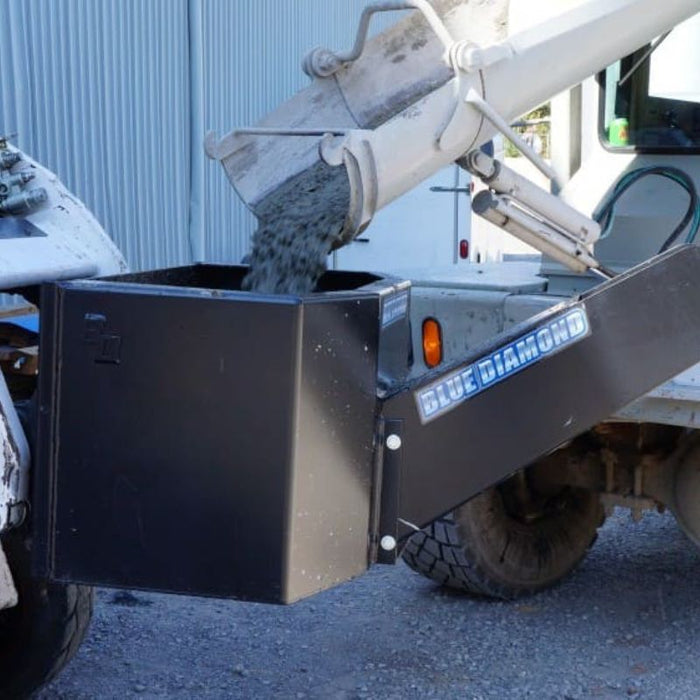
column 399, row 112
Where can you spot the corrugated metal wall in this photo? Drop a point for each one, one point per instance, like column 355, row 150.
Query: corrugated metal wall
column 112, row 95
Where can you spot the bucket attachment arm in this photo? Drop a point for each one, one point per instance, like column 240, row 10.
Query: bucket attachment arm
column 460, row 431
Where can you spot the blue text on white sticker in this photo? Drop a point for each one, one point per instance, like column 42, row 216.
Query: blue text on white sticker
column 454, row 388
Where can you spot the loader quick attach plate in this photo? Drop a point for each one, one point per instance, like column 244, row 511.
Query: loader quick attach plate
column 202, row 440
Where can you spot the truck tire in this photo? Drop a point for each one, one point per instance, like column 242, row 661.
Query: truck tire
column 501, row 547
column 42, row 633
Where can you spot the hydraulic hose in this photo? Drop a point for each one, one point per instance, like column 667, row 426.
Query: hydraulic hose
column 605, row 213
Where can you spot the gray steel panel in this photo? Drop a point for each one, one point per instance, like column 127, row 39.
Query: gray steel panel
column 145, row 492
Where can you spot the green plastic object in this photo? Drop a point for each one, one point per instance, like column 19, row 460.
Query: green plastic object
column 619, row 133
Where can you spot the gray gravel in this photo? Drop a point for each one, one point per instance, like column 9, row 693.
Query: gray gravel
column 626, row 624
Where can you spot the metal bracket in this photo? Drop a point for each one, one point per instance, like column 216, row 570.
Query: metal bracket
column 220, row 149
column 388, row 530
column 475, row 100
column 470, row 57
column 462, row 190
column 323, row 63
column 465, row 57
column 15, row 197
column 354, row 150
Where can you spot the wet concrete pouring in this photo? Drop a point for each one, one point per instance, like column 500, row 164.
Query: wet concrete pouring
column 297, row 227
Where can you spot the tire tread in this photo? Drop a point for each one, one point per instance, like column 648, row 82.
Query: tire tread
column 43, row 633
column 443, row 554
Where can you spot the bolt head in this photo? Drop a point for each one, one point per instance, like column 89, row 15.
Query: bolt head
column 393, row 442
column 387, row 543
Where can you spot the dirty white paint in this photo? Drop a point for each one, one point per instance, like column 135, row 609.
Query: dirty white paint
column 8, row 592
column 14, row 467
column 71, row 243
column 677, row 402
column 524, row 14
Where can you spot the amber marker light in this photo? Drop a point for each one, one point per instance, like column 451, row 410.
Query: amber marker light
column 432, row 342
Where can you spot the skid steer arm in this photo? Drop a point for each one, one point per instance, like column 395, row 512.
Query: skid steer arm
column 540, row 385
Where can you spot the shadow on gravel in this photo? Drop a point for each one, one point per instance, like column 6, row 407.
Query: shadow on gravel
column 128, row 600
column 626, row 624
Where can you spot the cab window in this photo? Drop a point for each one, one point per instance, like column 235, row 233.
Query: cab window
column 651, row 99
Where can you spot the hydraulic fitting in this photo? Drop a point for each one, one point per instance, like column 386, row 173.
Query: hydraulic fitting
column 24, row 202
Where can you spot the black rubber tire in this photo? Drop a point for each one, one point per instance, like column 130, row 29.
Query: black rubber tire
column 483, row 549
column 42, row 633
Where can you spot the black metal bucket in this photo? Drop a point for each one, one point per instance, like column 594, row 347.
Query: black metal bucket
column 199, row 439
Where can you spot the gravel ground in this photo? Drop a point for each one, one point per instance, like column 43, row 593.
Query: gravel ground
column 625, row 624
